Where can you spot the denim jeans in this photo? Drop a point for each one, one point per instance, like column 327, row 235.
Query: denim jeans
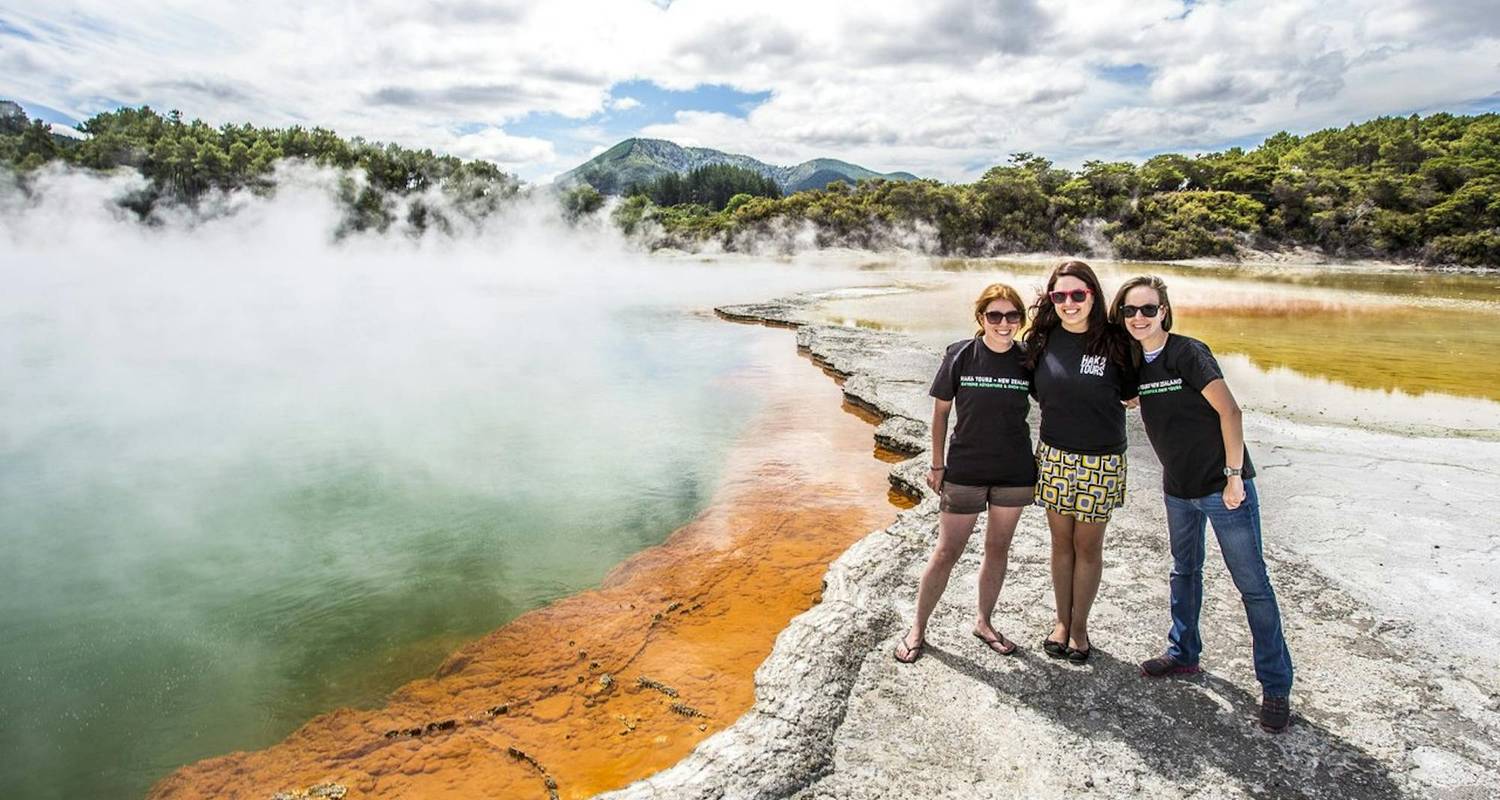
column 1238, row 532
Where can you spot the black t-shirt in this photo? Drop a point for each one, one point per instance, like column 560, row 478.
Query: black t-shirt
column 991, row 443
column 1182, row 425
column 1079, row 395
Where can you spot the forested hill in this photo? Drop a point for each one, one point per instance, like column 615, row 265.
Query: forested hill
column 182, row 161
column 636, row 162
column 1408, row 188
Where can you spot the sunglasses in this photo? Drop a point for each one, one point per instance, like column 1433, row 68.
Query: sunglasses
column 1077, row 296
column 997, row 317
column 1148, row 310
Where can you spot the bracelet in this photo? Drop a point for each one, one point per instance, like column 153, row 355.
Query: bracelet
column 937, row 469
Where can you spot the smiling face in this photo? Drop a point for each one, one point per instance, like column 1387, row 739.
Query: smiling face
column 1073, row 313
column 1001, row 333
column 1140, row 326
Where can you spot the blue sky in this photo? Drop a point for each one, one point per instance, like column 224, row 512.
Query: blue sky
column 943, row 89
column 633, row 106
column 47, row 113
column 1126, row 74
column 651, row 105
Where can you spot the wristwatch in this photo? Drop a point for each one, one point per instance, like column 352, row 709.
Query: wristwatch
column 1230, row 472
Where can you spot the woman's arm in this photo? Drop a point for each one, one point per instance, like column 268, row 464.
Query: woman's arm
column 1232, row 427
column 939, row 463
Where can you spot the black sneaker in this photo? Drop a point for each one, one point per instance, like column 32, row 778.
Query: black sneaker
column 1275, row 714
column 1164, row 665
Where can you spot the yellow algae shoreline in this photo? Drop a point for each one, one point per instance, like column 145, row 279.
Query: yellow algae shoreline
column 613, row 684
column 1408, row 356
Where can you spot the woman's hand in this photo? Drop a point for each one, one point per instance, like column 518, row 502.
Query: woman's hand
column 1234, row 492
column 935, row 478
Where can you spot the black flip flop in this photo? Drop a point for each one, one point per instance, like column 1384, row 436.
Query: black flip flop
column 912, row 653
column 990, row 643
column 1054, row 649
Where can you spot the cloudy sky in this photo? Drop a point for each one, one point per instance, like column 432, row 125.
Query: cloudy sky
column 943, row 88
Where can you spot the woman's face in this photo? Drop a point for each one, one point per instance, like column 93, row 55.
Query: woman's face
column 1073, row 300
column 1139, row 301
column 1003, row 330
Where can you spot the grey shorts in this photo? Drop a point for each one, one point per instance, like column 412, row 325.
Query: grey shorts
column 957, row 499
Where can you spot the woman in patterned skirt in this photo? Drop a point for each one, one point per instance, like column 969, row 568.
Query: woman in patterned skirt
column 1082, row 377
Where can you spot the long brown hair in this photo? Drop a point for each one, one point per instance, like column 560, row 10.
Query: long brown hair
column 1155, row 284
column 1102, row 339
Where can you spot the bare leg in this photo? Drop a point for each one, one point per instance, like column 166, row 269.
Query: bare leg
column 1062, row 572
column 997, row 537
column 1088, row 568
column 953, row 534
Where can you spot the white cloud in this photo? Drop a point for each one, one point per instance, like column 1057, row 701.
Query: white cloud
column 494, row 144
column 942, row 89
column 1121, row 127
column 64, row 130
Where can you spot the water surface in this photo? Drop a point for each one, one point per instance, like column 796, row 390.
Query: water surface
column 245, row 482
column 564, row 684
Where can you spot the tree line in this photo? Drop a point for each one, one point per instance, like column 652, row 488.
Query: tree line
column 711, row 186
column 184, row 161
column 1409, row 188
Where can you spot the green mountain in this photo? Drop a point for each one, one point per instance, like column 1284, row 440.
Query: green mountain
column 640, row 161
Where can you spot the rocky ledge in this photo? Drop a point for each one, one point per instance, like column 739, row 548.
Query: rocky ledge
column 1378, row 713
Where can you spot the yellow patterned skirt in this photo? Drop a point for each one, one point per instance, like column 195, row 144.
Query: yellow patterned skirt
column 1086, row 488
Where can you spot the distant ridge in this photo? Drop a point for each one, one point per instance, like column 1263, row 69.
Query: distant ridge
column 639, row 161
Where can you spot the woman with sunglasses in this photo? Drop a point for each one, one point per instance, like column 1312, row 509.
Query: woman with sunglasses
column 987, row 467
column 1195, row 426
column 1082, row 376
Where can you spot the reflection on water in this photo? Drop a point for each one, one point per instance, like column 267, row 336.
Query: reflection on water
column 1296, row 395
column 1413, row 351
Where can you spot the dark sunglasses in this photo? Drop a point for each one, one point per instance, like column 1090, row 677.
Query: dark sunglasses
column 997, row 317
column 1077, row 296
column 1148, row 310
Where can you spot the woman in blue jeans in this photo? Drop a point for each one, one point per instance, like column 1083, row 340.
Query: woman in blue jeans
column 1195, row 427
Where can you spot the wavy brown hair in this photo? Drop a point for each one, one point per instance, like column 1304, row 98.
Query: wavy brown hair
column 1102, row 339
